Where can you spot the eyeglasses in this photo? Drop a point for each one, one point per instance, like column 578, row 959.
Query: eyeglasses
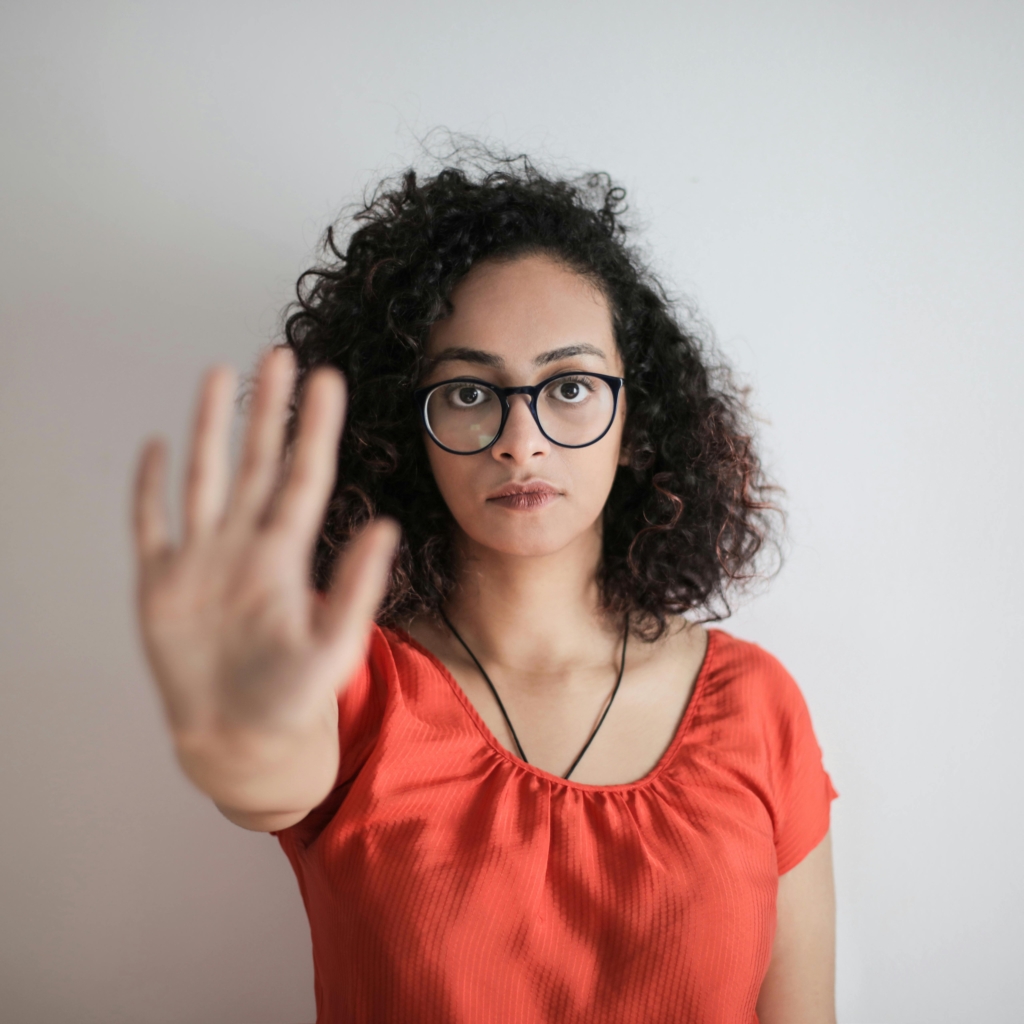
column 465, row 416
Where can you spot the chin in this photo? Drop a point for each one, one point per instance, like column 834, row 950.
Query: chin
column 525, row 539
column 526, row 547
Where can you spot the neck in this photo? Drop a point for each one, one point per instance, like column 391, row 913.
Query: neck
column 533, row 613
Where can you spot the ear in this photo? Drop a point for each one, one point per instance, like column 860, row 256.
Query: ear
column 624, row 455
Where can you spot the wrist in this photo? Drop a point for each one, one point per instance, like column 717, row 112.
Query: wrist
column 254, row 770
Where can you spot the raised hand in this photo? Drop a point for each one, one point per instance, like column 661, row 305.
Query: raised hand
column 247, row 658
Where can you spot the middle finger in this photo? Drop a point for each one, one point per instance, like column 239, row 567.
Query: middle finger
column 264, row 437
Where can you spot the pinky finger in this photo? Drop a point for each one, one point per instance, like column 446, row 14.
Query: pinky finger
column 152, row 534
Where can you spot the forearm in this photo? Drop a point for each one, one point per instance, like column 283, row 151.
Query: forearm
column 251, row 773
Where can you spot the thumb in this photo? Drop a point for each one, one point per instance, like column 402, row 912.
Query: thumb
column 360, row 581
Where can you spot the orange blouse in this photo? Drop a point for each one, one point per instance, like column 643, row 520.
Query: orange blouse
column 448, row 881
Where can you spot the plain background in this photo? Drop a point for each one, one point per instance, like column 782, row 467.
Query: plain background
column 838, row 187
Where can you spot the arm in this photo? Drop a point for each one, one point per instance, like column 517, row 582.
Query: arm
column 248, row 660
column 799, row 987
column 273, row 786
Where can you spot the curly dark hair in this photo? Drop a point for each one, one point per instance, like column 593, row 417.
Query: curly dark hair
column 687, row 518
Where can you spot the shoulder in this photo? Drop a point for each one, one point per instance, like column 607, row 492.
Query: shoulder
column 393, row 662
column 724, row 666
column 742, row 679
column 403, row 671
column 744, row 663
column 404, row 651
column 756, row 712
column 758, row 688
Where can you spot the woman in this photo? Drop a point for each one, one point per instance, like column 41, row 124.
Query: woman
column 532, row 789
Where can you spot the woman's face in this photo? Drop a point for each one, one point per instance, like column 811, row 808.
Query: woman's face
column 517, row 323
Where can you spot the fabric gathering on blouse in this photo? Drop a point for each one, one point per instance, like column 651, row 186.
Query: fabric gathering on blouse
column 448, row 881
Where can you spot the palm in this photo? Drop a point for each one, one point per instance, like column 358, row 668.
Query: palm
column 236, row 637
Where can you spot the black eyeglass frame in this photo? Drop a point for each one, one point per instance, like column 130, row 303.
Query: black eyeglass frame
column 533, row 390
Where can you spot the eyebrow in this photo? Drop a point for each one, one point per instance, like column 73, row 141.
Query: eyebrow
column 475, row 355
column 569, row 350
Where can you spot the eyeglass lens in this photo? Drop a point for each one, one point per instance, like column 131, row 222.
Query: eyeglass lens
column 465, row 416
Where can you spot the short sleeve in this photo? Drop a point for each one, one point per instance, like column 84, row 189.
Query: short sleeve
column 361, row 707
column 802, row 789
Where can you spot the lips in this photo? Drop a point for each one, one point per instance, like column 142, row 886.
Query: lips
column 524, row 497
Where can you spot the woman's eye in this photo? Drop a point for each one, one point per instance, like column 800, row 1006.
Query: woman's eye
column 465, row 395
column 573, row 391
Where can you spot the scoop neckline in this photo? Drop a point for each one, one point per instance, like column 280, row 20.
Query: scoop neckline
column 666, row 758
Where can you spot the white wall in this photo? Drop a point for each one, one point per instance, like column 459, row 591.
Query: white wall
column 839, row 188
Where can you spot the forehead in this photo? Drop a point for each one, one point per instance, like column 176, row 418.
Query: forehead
column 523, row 308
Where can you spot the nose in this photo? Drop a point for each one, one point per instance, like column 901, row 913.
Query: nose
column 521, row 440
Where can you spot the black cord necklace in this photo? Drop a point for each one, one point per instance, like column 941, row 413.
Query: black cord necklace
column 519, row 746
